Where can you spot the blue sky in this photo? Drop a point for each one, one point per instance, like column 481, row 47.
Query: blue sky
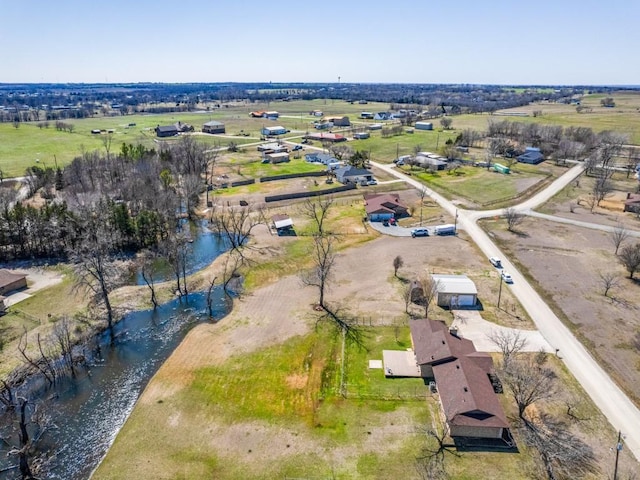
column 498, row 42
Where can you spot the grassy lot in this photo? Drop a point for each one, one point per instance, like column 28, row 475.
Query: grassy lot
column 482, row 187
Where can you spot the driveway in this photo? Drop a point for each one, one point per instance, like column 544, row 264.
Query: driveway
column 392, row 230
column 473, row 327
column 37, row 279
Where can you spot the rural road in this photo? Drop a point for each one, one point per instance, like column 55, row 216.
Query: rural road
column 605, row 393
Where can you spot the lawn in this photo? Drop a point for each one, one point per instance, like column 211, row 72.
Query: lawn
column 479, row 186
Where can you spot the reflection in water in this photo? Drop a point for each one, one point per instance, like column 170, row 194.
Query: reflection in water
column 205, row 246
column 90, row 410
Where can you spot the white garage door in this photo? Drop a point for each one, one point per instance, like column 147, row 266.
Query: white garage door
column 466, row 300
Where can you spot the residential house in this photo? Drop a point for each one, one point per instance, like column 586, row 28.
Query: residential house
column 382, row 116
column 272, row 148
column 366, row 115
column 531, row 155
column 351, row 174
column 166, row 131
column 10, row 281
column 277, row 130
column 455, row 291
column 361, row 135
column 323, row 158
column 326, row 137
column 462, row 376
column 323, row 125
column 271, row 115
column 213, row 127
column 338, row 121
column 429, row 162
column 380, row 207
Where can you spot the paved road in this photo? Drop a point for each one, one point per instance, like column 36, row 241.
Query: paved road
column 605, row 393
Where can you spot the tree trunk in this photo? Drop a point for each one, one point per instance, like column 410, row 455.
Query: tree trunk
column 25, row 470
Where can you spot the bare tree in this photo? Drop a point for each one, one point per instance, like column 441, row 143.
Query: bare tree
column 630, row 258
column 562, row 454
column 528, row 382
column 514, row 218
column 618, row 236
column 235, row 224
column 61, row 338
column 608, row 281
column 323, row 256
column 430, row 465
column 148, row 270
column 317, row 211
column 423, row 193
column 602, row 187
column 446, row 122
column 429, row 290
column 407, row 295
column 94, row 268
column 211, row 286
column 510, row 343
column 397, row 264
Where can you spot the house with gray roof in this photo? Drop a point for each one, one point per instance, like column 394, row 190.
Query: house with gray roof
column 351, row 174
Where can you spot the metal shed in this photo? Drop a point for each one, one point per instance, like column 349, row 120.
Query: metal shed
column 455, row 291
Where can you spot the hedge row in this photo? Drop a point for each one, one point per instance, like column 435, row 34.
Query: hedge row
column 243, row 182
column 289, row 196
column 292, row 175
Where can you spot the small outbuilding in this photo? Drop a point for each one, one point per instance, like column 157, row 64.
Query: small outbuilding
column 10, row 281
column 424, row 126
column 282, row 223
column 361, row 135
column 277, row 130
column 278, row 157
column 213, row 127
column 455, row 291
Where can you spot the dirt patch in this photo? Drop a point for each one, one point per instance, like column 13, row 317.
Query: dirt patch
column 297, row 382
column 566, row 262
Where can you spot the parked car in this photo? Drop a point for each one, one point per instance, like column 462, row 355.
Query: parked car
column 297, row 147
column 496, row 262
column 392, row 221
column 506, row 277
column 419, row 232
column 372, row 182
column 385, row 223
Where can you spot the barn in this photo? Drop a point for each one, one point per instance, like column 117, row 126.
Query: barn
column 455, row 291
column 213, row 127
column 424, row 126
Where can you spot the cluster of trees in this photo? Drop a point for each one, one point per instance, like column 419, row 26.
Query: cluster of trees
column 138, row 194
column 64, row 127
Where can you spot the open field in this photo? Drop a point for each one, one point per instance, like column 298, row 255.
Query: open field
column 623, row 118
column 19, row 148
column 255, row 396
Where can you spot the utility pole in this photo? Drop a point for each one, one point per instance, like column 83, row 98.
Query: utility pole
column 500, row 294
column 618, row 449
column 455, row 224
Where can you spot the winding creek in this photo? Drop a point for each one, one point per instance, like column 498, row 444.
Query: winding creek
column 90, row 410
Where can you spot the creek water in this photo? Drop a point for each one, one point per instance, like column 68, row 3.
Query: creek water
column 90, row 409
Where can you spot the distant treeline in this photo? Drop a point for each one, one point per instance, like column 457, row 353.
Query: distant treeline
column 36, row 102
